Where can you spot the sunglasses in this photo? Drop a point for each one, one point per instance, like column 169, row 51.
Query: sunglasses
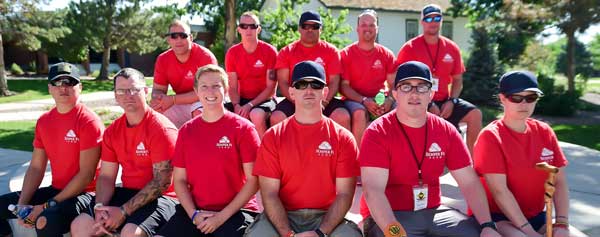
column 430, row 19
column 246, row 26
column 175, row 35
column 519, row 98
column 310, row 26
column 64, row 82
column 301, row 85
column 130, row 91
column 407, row 88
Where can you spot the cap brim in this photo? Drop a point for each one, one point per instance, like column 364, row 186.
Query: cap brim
column 64, row 75
column 309, row 79
column 533, row 89
column 315, row 21
column 432, row 13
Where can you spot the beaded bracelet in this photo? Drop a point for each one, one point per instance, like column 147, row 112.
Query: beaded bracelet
column 194, row 216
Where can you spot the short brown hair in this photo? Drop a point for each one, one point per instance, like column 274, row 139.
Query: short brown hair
column 211, row 68
column 186, row 26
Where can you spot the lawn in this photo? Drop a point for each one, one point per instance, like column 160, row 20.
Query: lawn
column 17, row 135
column 593, row 85
column 584, row 135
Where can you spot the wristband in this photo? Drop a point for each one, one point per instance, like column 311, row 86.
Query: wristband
column 98, row 205
column 194, row 216
column 250, row 103
column 123, row 212
column 320, row 233
column 489, row 224
column 290, row 233
column 363, row 100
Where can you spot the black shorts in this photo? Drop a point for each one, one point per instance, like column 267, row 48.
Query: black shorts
column 288, row 108
column 150, row 217
column 461, row 109
column 267, row 105
column 537, row 222
column 181, row 225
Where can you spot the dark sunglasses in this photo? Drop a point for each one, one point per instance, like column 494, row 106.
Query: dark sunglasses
column 246, row 26
column 407, row 88
column 301, row 85
column 175, row 35
column 310, row 26
column 430, row 19
column 64, row 82
column 519, row 98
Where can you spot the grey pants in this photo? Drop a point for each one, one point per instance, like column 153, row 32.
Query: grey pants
column 300, row 221
column 441, row 221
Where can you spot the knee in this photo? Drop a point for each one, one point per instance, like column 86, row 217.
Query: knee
column 132, row 230
column 359, row 116
column 81, row 225
column 258, row 116
column 277, row 117
column 475, row 116
column 341, row 116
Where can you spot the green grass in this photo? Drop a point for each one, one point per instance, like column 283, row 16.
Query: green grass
column 584, row 135
column 17, row 135
column 593, row 85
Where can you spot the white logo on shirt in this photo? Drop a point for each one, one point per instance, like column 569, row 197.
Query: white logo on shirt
column 324, row 149
column 547, row 155
column 224, row 143
column 447, row 58
column 140, row 150
column 435, row 152
column 258, row 64
column 319, row 60
column 71, row 137
column 377, row 64
column 189, row 75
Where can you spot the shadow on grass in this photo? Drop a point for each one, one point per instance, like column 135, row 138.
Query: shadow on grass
column 38, row 89
column 585, row 135
column 17, row 139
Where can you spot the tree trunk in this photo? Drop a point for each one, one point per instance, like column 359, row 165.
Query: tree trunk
column 86, row 63
column 3, row 83
column 41, row 64
column 105, row 60
column 570, row 60
column 121, row 57
column 230, row 34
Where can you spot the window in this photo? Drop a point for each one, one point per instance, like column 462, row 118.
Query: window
column 447, row 29
column 412, row 28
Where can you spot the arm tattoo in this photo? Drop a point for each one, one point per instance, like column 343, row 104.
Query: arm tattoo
column 162, row 180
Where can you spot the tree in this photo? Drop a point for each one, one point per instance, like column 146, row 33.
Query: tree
column 594, row 47
column 584, row 65
column 483, row 71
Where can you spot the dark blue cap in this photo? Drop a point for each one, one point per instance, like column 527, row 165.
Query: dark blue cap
column 517, row 81
column 430, row 10
column 308, row 70
column 310, row 16
column 412, row 70
column 60, row 70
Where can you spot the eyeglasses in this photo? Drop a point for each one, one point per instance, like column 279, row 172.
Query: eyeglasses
column 69, row 82
column 430, row 19
column 130, row 91
column 421, row 88
column 301, row 85
column 519, row 98
column 246, row 26
column 175, row 35
column 310, row 26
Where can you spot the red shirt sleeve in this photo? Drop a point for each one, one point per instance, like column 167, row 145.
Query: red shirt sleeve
column 249, row 143
column 389, row 64
column 459, row 67
column 283, row 58
column 487, row 154
column 347, row 164
column 37, row 138
column 91, row 134
column 334, row 66
column 267, row 159
column 458, row 156
column 404, row 55
column 230, row 60
column 160, row 76
column 272, row 56
column 108, row 152
column 162, row 144
column 559, row 157
column 178, row 154
column 373, row 151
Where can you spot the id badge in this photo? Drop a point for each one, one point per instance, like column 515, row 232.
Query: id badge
column 435, row 83
column 420, row 196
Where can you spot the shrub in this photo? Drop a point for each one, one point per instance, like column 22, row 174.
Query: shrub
column 15, row 69
column 557, row 101
column 95, row 74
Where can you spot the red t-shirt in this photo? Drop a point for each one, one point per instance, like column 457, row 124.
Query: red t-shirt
column 63, row 137
column 251, row 68
column 500, row 150
column 307, row 159
column 367, row 70
column 385, row 146
column 169, row 71
column 213, row 155
column 448, row 61
column 137, row 148
column 323, row 53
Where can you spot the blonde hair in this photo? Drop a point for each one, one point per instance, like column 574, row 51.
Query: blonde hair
column 186, row 26
column 211, row 68
column 252, row 15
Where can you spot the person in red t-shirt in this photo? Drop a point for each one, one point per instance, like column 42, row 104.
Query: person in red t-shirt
column 402, row 156
column 443, row 57
column 310, row 47
column 213, row 172
column 252, row 79
column 176, row 67
column 505, row 156
column 141, row 141
column 68, row 136
column 366, row 68
column 307, row 167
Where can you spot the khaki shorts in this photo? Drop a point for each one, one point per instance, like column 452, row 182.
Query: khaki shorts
column 300, row 221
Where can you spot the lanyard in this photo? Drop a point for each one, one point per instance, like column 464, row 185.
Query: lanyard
column 437, row 51
column 412, row 150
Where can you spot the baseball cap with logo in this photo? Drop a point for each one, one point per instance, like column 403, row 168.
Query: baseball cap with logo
column 308, row 70
column 413, row 70
column 310, row 16
column 517, row 81
column 61, row 70
column 431, row 9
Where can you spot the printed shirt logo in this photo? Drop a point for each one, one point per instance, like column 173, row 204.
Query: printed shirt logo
column 71, row 137
column 447, row 58
column 140, row 150
column 258, row 64
column 319, row 60
column 224, row 143
column 435, row 152
column 547, row 155
column 189, row 75
column 377, row 64
column 324, row 149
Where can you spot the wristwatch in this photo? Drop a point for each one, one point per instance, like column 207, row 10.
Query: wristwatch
column 454, row 100
column 50, row 203
column 489, row 224
column 320, row 233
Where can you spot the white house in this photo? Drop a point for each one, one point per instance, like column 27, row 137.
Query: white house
column 398, row 19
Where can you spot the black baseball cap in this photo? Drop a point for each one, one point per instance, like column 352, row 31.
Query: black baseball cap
column 517, row 81
column 413, row 70
column 430, row 10
column 308, row 70
column 311, row 16
column 61, row 70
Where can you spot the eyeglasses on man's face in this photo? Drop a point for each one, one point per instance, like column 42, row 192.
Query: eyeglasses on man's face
column 421, row 88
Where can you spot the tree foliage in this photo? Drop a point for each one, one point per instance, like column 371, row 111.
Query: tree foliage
column 583, row 59
column 594, row 47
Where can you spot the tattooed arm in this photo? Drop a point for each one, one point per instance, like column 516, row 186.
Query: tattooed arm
column 162, row 172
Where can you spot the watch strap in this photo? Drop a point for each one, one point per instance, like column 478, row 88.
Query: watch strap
column 489, row 224
column 320, row 233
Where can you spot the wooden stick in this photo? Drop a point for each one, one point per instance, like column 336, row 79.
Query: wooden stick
column 549, row 193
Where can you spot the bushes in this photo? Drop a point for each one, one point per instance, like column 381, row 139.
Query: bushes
column 557, row 101
column 15, row 69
